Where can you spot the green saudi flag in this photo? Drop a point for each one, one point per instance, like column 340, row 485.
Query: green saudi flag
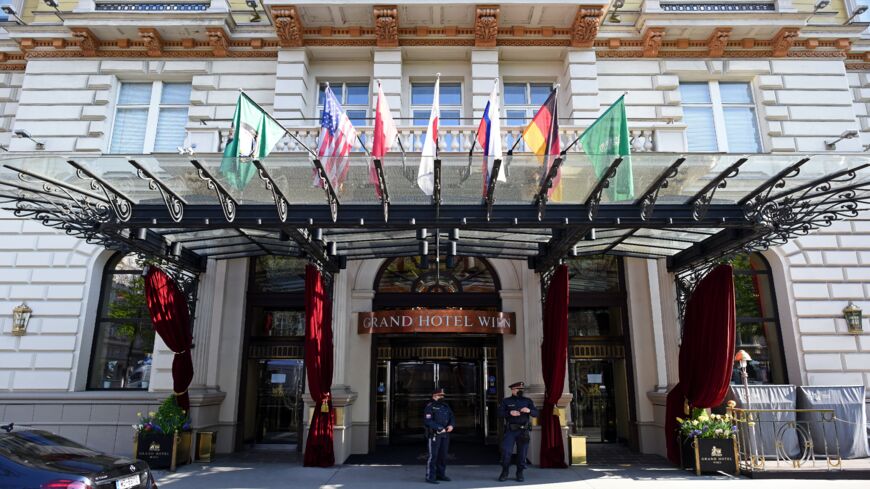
column 605, row 140
column 254, row 135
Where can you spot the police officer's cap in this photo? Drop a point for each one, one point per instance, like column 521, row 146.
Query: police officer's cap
column 517, row 385
column 438, row 391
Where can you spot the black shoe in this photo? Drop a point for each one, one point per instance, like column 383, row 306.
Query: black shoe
column 431, row 481
column 504, row 475
column 520, row 477
column 443, row 478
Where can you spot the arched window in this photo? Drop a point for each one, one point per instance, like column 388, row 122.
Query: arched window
column 758, row 328
column 402, row 282
column 124, row 335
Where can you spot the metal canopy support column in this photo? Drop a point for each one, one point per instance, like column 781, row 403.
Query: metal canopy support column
column 174, row 202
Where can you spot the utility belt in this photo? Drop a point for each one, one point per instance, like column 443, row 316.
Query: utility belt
column 517, row 427
column 430, row 433
column 521, row 430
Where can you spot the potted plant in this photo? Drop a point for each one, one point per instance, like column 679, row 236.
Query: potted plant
column 709, row 442
column 163, row 438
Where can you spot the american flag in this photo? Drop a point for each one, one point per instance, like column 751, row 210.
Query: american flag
column 337, row 137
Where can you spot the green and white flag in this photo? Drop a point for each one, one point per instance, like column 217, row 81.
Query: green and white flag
column 254, row 135
column 604, row 141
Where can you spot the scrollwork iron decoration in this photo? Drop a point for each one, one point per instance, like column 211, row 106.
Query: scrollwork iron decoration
column 227, row 203
column 174, row 203
column 121, row 204
column 280, row 201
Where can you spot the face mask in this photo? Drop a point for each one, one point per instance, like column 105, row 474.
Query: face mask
column 520, row 393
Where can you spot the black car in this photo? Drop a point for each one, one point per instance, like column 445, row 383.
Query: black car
column 35, row 459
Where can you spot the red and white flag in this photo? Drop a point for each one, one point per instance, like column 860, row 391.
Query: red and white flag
column 385, row 135
column 426, row 171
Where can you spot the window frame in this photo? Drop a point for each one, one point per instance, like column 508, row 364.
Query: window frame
column 412, row 108
column 529, row 108
column 342, row 98
column 109, row 271
column 154, row 107
column 718, row 108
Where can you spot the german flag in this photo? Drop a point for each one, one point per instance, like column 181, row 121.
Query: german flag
column 542, row 134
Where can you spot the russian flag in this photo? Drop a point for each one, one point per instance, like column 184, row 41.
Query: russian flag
column 489, row 137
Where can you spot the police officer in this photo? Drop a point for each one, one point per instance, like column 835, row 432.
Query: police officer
column 439, row 420
column 515, row 411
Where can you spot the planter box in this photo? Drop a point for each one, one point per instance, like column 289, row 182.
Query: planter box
column 163, row 451
column 715, row 455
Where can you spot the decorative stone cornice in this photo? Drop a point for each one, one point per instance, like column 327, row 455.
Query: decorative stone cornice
column 386, row 26
column 652, row 41
column 784, row 40
column 153, row 41
column 718, row 41
column 88, row 42
column 219, row 41
column 288, row 26
column 486, row 26
column 585, row 27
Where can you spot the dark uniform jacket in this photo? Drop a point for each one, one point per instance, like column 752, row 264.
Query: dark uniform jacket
column 514, row 403
column 437, row 416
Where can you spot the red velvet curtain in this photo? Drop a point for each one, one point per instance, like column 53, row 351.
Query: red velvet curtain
column 554, row 358
column 319, row 451
column 171, row 319
column 706, row 352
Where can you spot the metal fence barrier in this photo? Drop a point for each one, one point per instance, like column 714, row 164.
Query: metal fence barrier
column 787, row 439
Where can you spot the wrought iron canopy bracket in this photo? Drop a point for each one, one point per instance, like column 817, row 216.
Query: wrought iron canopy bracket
column 278, row 196
column 593, row 202
column 227, row 202
column 755, row 201
column 383, row 190
column 174, row 202
column 543, row 194
column 331, row 195
column 121, row 204
column 72, row 193
column 701, row 201
column 489, row 199
column 647, row 201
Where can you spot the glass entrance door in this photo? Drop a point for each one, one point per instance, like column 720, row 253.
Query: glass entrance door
column 279, row 401
column 412, row 386
column 599, row 408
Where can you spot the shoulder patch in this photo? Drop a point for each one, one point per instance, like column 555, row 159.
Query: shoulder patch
column 428, row 416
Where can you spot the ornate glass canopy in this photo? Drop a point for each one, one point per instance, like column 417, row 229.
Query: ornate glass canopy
column 690, row 209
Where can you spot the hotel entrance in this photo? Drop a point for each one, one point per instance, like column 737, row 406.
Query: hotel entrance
column 409, row 370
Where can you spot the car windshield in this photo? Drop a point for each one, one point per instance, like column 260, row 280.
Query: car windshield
column 42, row 445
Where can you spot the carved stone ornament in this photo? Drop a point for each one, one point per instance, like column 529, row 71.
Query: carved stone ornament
column 219, row 41
column 387, row 26
column 486, row 26
column 287, row 26
column 784, row 40
column 585, row 26
column 88, row 42
column 718, row 41
column 652, row 41
column 153, row 42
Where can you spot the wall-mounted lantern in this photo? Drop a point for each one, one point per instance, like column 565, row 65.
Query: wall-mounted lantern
column 20, row 318
column 853, row 316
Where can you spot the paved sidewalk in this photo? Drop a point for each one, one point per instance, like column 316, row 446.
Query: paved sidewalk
column 231, row 473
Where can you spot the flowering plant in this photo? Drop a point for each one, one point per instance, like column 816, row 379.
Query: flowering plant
column 169, row 418
column 703, row 425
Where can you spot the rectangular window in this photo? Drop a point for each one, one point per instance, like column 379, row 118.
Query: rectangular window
column 450, row 102
column 353, row 97
column 720, row 117
column 522, row 101
column 150, row 117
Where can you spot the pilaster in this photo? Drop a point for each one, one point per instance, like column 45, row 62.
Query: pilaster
column 388, row 69
column 484, row 70
column 580, row 86
column 292, row 91
column 341, row 329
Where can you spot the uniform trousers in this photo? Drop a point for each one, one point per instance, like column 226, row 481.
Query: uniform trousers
column 518, row 438
column 437, row 463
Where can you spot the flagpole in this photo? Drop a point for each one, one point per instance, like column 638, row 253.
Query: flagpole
column 286, row 131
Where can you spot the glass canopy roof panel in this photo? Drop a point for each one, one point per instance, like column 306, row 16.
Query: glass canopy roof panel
column 578, row 176
column 644, row 250
column 352, row 236
column 656, row 243
column 521, row 235
column 294, row 175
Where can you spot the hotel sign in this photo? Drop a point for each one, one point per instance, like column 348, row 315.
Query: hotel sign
column 437, row 321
